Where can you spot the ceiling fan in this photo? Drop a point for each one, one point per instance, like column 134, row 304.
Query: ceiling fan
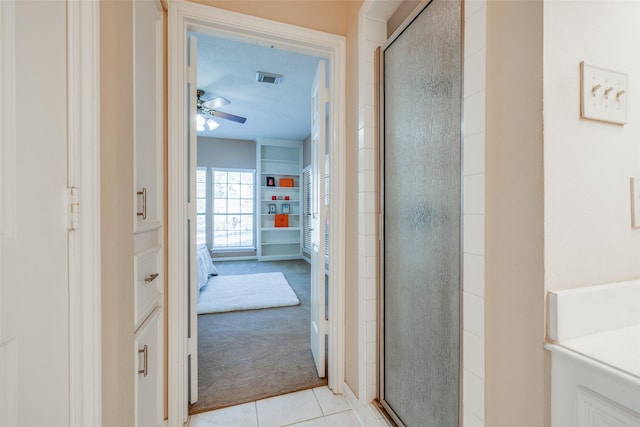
column 210, row 108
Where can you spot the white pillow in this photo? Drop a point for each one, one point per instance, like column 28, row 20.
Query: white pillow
column 204, row 265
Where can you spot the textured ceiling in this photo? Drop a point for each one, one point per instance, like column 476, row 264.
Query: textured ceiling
column 228, row 68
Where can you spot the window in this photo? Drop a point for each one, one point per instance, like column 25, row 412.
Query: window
column 233, row 209
column 201, row 206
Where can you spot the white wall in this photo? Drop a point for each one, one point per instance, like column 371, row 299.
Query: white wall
column 587, row 164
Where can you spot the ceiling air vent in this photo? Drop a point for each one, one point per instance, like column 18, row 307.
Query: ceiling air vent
column 263, row 77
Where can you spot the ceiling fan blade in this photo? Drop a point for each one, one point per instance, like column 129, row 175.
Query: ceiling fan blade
column 228, row 116
column 216, row 102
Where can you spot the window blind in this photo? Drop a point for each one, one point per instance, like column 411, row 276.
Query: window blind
column 326, row 201
column 306, row 210
column 201, row 205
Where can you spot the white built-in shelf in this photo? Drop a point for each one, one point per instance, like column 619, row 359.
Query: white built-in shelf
column 279, row 159
column 283, row 242
column 278, row 174
column 286, row 162
column 280, row 228
column 283, row 202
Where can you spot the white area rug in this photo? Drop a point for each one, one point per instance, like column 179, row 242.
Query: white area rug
column 245, row 292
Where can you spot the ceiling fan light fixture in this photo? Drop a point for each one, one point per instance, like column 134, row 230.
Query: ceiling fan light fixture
column 212, row 124
column 271, row 78
column 207, row 107
column 200, row 123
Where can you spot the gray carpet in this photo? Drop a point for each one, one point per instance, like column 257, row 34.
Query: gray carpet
column 249, row 355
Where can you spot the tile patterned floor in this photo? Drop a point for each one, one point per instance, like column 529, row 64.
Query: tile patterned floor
column 309, row 408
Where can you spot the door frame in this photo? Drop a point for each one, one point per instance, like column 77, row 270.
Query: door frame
column 186, row 16
column 85, row 306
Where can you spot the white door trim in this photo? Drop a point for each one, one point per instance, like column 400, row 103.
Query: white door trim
column 187, row 16
column 83, row 115
column 8, row 352
column 7, row 120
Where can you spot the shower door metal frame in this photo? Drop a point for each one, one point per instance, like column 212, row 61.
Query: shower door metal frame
column 379, row 99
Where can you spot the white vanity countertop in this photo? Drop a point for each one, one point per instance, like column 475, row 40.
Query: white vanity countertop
column 617, row 348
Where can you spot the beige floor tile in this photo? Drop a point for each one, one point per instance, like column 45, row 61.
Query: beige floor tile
column 234, row 416
column 317, row 422
column 288, row 409
column 330, row 403
column 343, row 419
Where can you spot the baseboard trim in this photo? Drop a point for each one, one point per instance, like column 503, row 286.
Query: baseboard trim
column 354, row 403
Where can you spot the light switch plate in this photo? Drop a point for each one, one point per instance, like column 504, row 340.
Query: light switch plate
column 635, row 202
column 603, row 94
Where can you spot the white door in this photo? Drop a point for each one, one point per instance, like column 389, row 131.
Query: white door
column 191, row 161
column 34, row 249
column 318, row 218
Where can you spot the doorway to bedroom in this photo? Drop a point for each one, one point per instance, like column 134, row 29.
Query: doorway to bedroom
column 254, row 354
column 254, row 169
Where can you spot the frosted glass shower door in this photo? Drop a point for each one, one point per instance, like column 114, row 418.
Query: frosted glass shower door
column 421, row 203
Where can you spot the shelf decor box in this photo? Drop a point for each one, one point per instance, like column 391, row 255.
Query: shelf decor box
column 286, row 182
column 282, row 220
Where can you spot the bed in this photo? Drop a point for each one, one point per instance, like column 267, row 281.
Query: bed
column 205, row 267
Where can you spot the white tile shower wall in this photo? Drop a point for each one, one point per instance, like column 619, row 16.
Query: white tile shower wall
column 473, row 315
column 474, row 212
column 473, row 273
column 471, row 419
column 474, row 158
column 372, row 33
column 473, row 234
column 474, row 80
column 473, row 356
column 473, row 393
column 474, row 194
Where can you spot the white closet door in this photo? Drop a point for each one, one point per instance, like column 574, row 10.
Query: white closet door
column 34, row 250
